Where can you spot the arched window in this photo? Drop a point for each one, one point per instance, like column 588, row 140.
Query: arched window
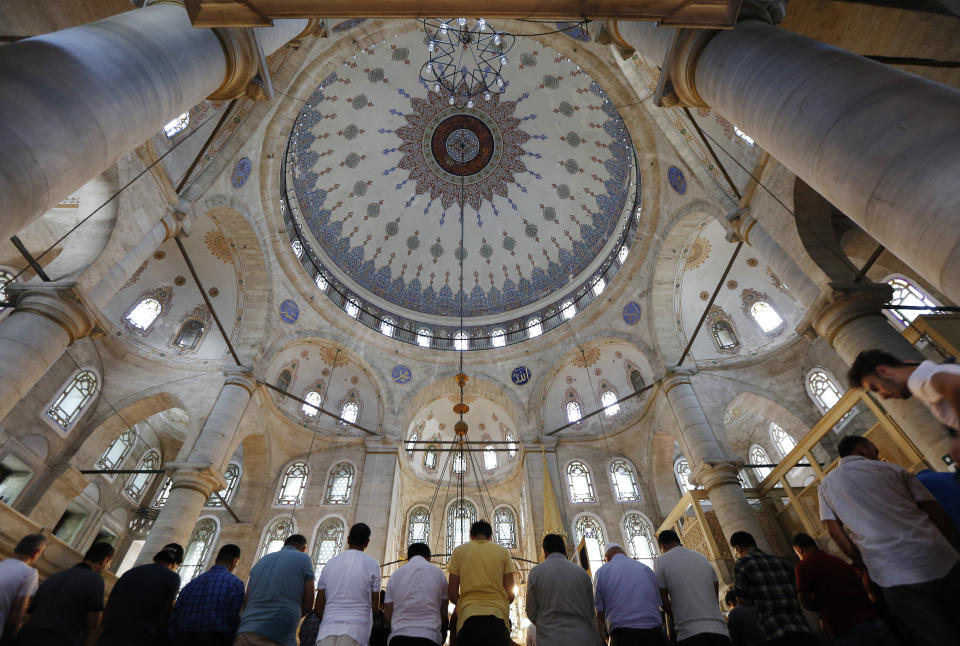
column 327, row 544
column 588, row 529
column 297, row 247
column 293, row 484
column 349, row 413
column 418, row 529
column 489, row 458
column 823, row 389
column 579, row 483
column 275, row 534
column 430, row 457
column 117, row 451
column 352, row 307
column 386, row 326
column 599, row 286
column 906, row 293
column 568, row 309
column 424, row 337
column 340, row 485
column 142, row 315
column 202, row 539
column 681, row 470
column 412, row 442
column 744, row 136
column 505, row 528
column 313, row 399
column 766, row 317
column 636, row 380
column 623, row 253
column 5, row 279
column 610, row 404
column 758, row 455
column 640, row 541
column 781, row 439
column 461, row 341
column 511, row 443
column 624, row 481
column 723, row 335
column 70, row 403
column 573, row 412
column 460, row 516
column 534, row 328
column 321, row 282
column 284, row 379
column 190, row 334
column 163, row 493
column 138, row 483
column 232, row 476
column 176, row 125
column 498, row 338
column 459, row 462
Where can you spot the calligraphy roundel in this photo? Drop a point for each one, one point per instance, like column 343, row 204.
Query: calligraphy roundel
column 241, row 172
column 631, row 313
column 520, row 375
column 401, row 374
column 289, row 311
column 677, row 181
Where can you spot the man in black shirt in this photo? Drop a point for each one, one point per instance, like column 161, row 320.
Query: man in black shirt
column 66, row 609
column 141, row 601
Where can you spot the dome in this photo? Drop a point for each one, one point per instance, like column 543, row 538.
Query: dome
column 379, row 168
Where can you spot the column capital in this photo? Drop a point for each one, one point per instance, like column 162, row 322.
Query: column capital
column 242, row 54
column 240, row 376
column 675, row 376
column 197, row 476
column 771, row 12
column 712, row 473
column 58, row 301
column 741, row 223
column 380, row 445
column 847, row 304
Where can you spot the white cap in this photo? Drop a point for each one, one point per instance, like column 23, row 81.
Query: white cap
column 611, row 546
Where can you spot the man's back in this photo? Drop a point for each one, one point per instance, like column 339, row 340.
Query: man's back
column 626, row 592
column 481, row 564
column 417, row 591
column 837, row 591
column 691, row 582
column 136, row 605
column 348, row 581
column 768, row 581
column 17, row 579
column 744, row 627
column 945, row 489
column 209, row 603
column 898, row 542
column 275, row 595
column 560, row 603
column 58, row 615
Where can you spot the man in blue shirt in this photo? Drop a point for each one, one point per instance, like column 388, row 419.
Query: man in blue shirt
column 627, row 601
column 208, row 608
column 280, row 592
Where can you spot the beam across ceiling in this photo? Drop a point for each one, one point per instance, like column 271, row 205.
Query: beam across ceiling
column 708, row 14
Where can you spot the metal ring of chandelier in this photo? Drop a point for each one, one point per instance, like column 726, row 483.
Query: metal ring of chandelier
column 465, row 60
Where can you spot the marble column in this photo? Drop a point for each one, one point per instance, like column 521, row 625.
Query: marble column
column 377, row 495
column 851, row 322
column 875, row 141
column 47, row 318
column 201, row 473
column 712, row 465
column 75, row 100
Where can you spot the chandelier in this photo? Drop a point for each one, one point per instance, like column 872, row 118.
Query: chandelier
column 465, row 60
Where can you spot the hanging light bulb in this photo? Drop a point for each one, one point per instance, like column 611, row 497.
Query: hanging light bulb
column 443, row 28
column 431, row 46
column 429, row 67
column 436, row 87
column 497, row 40
column 481, row 23
column 451, row 101
column 470, row 103
column 461, row 21
column 503, row 60
column 486, row 96
column 499, row 81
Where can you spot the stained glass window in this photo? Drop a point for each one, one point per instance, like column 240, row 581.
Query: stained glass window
column 117, row 451
column 232, row 476
column 823, row 389
column 599, row 286
column 681, row 470
column 68, row 405
column 534, row 328
column 297, row 247
column 781, row 439
column 636, row 380
column 505, row 528
column 350, row 412
column 640, row 541
column 906, row 293
column 144, row 313
column 744, row 136
column 588, row 529
column 459, row 462
column 430, row 457
column 511, row 443
column 5, row 279
column 293, row 484
column 623, row 253
column 461, row 341
column 573, row 412
column 198, row 550
column 327, row 544
column 579, row 483
column 190, row 334
column 424, row 337
column 758, row 455
column 498, row 338
column 340, row 485
column 313, row 398
column 610, row 404
column 352, row 308
column 177, row 125
column 276, row 534
column 624, row 481
column 568, row 309
column 460, row 516
column 723, row 335
column 138, row 483
column 386, row 326
column 418, row 530
column 766, row 317
column 412, row 442
column 284, row 379
column 321, row 282
column 163, row 493
column 489, row 458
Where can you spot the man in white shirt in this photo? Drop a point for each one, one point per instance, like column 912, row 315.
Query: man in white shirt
column 416, row 601
column 937, row 385
column 690, row 591
column 627, row 601
column 880, row 516
column 18, row 583
column 348, row 593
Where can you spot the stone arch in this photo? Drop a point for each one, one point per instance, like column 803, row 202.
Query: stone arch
column 477, row 386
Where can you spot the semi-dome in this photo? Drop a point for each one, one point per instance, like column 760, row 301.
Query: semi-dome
column 379, row 168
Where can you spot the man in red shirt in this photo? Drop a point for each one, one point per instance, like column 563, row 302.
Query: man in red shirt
column 829, row 586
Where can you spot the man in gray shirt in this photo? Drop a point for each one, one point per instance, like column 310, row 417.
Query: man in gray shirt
column 560, row 599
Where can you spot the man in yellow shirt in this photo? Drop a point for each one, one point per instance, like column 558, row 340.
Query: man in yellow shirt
column 481, row 586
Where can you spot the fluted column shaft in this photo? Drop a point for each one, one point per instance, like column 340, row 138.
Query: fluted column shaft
column 76, row 99
column 711, row 464
column 876, row 142
column 202, row 472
